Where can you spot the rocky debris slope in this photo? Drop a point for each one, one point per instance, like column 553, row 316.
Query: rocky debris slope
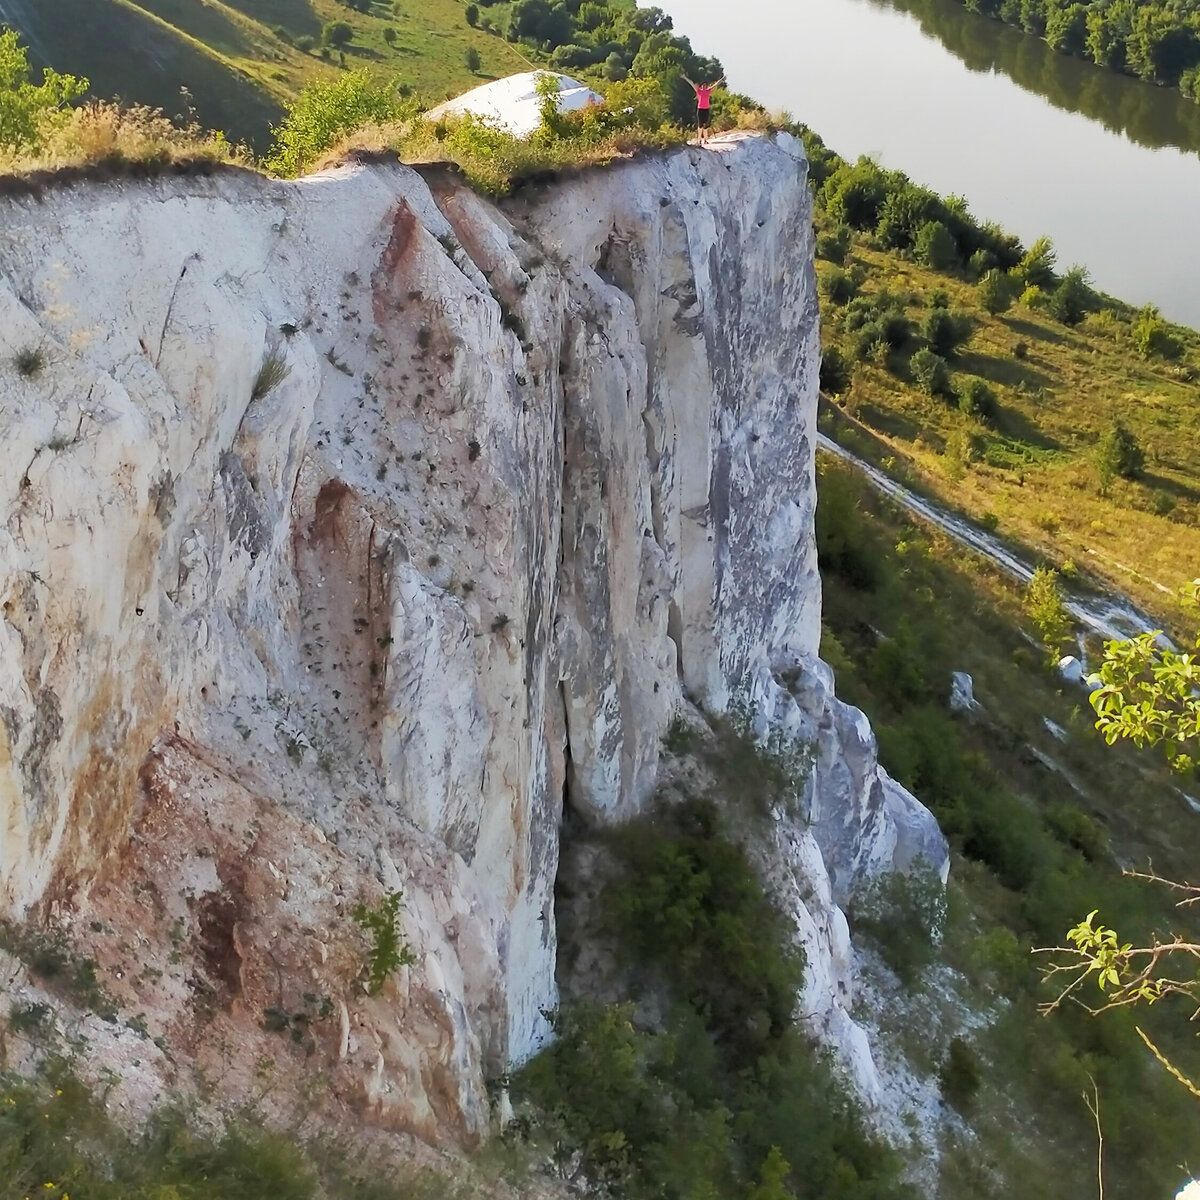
column 351, row 527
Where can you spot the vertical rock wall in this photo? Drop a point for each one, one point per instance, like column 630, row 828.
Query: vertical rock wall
column 364, row 509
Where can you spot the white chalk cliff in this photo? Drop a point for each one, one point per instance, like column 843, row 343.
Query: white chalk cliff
column 527, row 476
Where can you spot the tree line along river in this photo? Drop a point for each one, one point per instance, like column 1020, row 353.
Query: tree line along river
column 1107, row 166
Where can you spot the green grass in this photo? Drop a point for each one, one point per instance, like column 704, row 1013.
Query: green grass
column 239, row 73
column 1032, row 466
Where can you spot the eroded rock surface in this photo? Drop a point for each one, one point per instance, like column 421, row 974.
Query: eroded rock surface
column 349, row 525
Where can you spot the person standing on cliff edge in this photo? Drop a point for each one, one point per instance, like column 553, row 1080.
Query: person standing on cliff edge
column 704, row 93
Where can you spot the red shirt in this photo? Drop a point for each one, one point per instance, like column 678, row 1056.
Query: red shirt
column 703, row 95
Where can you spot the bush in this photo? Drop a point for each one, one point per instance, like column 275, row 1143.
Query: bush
column 472, row 60
column 976, row 399
column 472, row 14
column 835, row 371
column 1046, row 608
column 838, row 287
column 845, row 544
column 1073, row 298
column 935, row 247
column 1036, row 268
column 337, row 34
column 306, row 44
column 904, row 913
column 389, row 35
column 1118, row 454
column 1021, row 351
column 930, row 373
column 996, row 292
column 961, row 1075
column 946, row 330
column 26, row 109
column 691, row 905
column 327, row 111
column 1152, row 336
column 835, row 245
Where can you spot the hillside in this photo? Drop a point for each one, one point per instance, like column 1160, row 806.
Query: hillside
column 241, row 61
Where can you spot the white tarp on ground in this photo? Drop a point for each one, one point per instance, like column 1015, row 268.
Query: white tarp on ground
column 513, row 102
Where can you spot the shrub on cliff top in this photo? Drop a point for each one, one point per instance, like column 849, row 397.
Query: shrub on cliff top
column 328, row 110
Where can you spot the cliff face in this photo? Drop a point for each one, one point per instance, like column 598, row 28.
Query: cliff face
column 351, row 527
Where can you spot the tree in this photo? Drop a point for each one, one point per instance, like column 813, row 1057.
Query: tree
column 389, row 35
column 1072, row 299
column 838, row 286
column 996, row 292
column 1046, row 608
column 614, row 68
column 1152, row 335
column 835, row 371
column 26, row 107
column 1036, row 269
column 935, row 246
column 1159, row 47
column 772, row 1178
column 326, row 111
column 976, row 399
column 472, row 14
column 1066, row 29
column 1118, row 454
column 931, row 373
column 946, row 330
column 337, row 34
column 472, row 60
column 1149, row 695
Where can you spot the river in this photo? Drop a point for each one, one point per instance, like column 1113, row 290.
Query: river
column 1106, row 166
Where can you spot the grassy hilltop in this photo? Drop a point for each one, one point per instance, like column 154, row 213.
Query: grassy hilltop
column 243, row 61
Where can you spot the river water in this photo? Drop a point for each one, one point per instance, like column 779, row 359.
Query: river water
column 1106, row 166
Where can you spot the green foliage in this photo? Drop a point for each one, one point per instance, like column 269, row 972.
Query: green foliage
column 1149, row 695
column 1073, row 298
column 930, row 373
column 328, row 111
column 935, row 246
column 838, row 286
column 976, row 399
column 1118, row 454
column 58, row 1140
column 471, row 13
column 388, row 951
column 835, row 245
column 338, row 34
column 1046, row 607
column 946, row 330
column 26, row 108
column 1152, row 336
column 472, row 60
column 845, row 547
column 53, row 961
column 1036, row 268
column 835, row 371
column 996, row 292
column 904, row 914
column 690, row 904
column 876, row 322
column 961, row 1075
column 722, row 1099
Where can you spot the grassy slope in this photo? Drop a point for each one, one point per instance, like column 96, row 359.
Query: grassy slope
column 240, row 74
column 956, row 612
column 1034, row 470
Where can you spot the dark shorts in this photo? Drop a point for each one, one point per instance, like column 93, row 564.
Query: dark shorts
column 702, row 115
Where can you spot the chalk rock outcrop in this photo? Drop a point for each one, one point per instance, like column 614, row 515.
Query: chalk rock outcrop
column 350, row 526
